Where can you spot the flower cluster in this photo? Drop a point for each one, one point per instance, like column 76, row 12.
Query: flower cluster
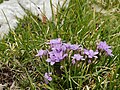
column 47, row 77
column 104, row 47
column 58, row 51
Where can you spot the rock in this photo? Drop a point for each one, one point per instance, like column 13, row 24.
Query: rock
column 11, row 9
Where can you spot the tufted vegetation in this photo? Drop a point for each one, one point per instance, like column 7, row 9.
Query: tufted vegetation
column 77, row 24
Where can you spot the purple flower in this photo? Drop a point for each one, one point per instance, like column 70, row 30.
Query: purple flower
column 90, row 53
column 47, row 77
column 105, row 47
column 55, row 41
column 89, row 61
column 78, row 57
column 52, row 61
column 59, row 47
column 41, row 53
column 56, row 44
column 74, row 47
column 73, row 61
column 109, row 52
column 67, row 45
column 71, row 46
column 55, row 56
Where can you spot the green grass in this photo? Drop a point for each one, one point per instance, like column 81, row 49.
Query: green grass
column 76, row 24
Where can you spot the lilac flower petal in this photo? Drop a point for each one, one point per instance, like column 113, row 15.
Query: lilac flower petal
column 46, row 75
column 49, row 79
column 109, row 52
column 105, row 47
column 59, row 47
column 67, row 45
column 73, row 61
column 56, row 56
column 64, row 48
column 86, row 52
column 45, row 52
column 55, row 41
column 90, row 53
column 65, row 55
column 89, row 61
column 74, row 47
column 41, row 53
column 77, row 57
